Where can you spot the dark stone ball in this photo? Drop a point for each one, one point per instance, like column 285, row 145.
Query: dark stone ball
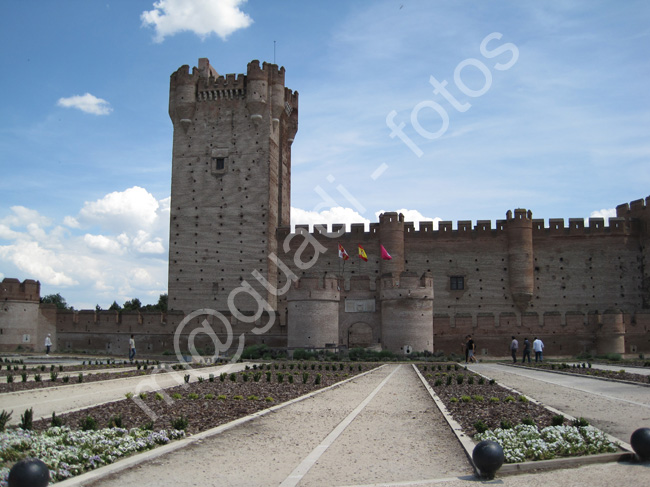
column 30, row 472
column 488, row 457
column 640, row 441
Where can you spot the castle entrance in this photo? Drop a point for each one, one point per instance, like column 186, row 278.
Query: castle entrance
column 360, row 335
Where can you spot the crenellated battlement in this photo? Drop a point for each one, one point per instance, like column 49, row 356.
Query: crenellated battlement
column 14, row 290
column 465, row 229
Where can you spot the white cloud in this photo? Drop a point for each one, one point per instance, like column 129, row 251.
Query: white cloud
column 604, row 213
column 413, row 216
column 23, row 216
column 103, row 244
column 71, row 222
column 326, row 217
column 86, row 103
column 203, row 17
column 125, row 258
column 129, row 210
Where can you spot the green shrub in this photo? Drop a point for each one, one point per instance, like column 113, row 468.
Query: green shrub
column 180, row 423
column 128, row 395
column 27, row 419
column 192, row 396
column 80, row 377
column 437, row 383
column 478, row 398
column 305, row 377
column 37, row 378
column 460, row 378
column 466, row 398
column 238, row 397
column 509, row 399
column 492, row 382
column 480, row 426
column 222, row 376
column 10, row 379
column 481, row 380
column 470, row 379
column 557, row 420
column 580, row 422
column 209, row 396
column 528, row 421
column 523, row 398
column 221, row 397
column 453, row 399
column 269, row 399
column 201, row 379
column 55, row 421
column 290, row 377
column 494, row 399
column 233, row 377
column 253, row 398
column 53, row 376
column 317, row 379
column 506, row 424
column 115, row 421
column 88, row 424
column 5, row 416
column 449, row 379
column 177, row 395
column 280, row 377
column 268, row 376
column 24, row 376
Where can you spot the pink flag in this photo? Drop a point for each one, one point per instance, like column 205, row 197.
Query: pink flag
column 384, row 253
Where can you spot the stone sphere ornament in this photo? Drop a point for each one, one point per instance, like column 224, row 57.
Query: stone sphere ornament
column 488, row 457
column 30, row 472
column 640, row 441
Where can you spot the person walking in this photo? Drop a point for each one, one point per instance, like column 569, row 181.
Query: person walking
column 538, row 347
column 526, row 351
column 131, row 349
column 48, row 344
column 514, row 346
column 471, row 348
column 463, row 346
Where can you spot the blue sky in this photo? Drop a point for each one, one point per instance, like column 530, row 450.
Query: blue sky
column 85, row 138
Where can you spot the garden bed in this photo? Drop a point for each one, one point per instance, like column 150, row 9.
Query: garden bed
column 586, row 369
column 525, row 429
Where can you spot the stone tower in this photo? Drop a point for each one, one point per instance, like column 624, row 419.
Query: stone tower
column 231, row 169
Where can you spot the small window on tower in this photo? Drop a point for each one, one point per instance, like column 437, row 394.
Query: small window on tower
column 221, row 163
column 457, row 283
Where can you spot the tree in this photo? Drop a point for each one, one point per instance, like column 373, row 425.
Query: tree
column 132, row 305
column 57, row 300
column 162, row 303
column 115, row 307
column 98, row 308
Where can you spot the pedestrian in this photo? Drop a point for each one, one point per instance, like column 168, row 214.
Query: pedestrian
column 526, row 351
column 131, row 349
column 466, row 347
column 48, row 344
column 514, row 346
column 471, row 348
column 538, row 347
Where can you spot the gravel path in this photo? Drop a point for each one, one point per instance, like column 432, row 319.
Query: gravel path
column 397, row 436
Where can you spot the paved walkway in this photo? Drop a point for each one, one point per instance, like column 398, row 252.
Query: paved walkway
column 382, row 427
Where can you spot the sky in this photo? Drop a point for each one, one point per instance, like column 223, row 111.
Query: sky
column 441, row 109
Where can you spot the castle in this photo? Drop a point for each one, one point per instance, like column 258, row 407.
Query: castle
column 581, row 288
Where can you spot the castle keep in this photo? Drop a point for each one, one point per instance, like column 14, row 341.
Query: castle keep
column 581, row 287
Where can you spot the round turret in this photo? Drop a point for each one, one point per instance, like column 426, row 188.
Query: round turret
column 182, row 97
column 313, row 312
column 391, row 236
column 520, row 256
column 610, row 335
column 407, row 313
column 257, row 90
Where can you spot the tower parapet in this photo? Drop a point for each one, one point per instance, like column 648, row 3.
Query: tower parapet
column 391, row 236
